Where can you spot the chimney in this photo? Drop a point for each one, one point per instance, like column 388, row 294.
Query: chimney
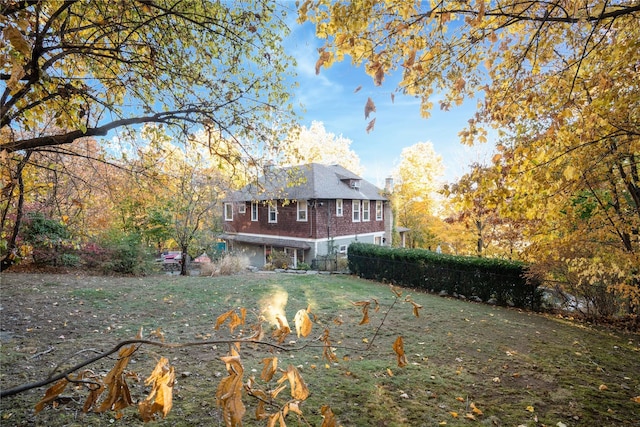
column 388, row 185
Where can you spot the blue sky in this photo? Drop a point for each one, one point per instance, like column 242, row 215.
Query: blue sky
column 329, row 98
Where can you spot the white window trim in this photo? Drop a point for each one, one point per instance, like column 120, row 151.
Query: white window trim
column 242, row 208
column 366, row 211
column 302, row 208
column 273, row 210
column 254, row 211
column 379, row 210
column 339, row 207
column 228, row 211
column 355, row 208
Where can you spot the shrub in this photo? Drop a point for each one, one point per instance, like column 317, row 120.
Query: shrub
column 279, row 259
column 228, row 264
column 483, row 278
column 126, row 254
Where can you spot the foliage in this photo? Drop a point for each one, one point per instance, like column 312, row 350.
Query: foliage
column 414, row 193
column 482, row 278
column 315, row 145
column 227, row 264
column 279, row 259
column 558, row 83
column 126, row 254
column 74, row 70
column 49, row 241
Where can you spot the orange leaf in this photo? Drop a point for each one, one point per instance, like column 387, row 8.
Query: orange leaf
column 369, row 108
column 329, row 419
column 303, row 323
column 324, row 57
column 299, row 389
column 52, row 394
column 270, row 367
column 229, row 392
column 398, row 347
column 416, row 308
column 636, row 399
column 118, row 396
column 160, row 399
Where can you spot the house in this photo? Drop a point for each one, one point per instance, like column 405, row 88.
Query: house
column 307, row 211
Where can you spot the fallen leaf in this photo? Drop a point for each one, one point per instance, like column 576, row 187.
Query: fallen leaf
column 603, row 387
column 530, row 408
column 454, row 414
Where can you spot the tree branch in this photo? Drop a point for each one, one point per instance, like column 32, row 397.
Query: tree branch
column 22, row 388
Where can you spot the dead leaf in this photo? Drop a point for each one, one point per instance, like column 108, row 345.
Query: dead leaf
column 303, row 323
column 398, row 347
column 299, row 389
column 118, row 396
column 229, row 392
column 369, row 108
column 160, row 399
column 52, row 394
column 269, row 369
column 371, row 125
column 603, row 387
column 324, row 58
column 329, row 419
column 636, row 399
column 357, row 89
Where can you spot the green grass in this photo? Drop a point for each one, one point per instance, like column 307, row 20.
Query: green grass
column 518, row 368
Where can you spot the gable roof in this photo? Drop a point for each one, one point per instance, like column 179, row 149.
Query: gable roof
column 306, row 182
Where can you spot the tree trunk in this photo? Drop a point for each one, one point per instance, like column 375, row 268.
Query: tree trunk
column 184, row 261
column 12, row 249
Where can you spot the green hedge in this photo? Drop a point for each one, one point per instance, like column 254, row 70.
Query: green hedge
column 482, row 278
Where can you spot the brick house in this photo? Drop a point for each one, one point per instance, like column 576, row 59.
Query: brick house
column 306, row 211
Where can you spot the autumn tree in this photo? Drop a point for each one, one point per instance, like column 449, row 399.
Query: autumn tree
column 414, row 193
column 77, row 69
column 314, row 144
column 558, row 81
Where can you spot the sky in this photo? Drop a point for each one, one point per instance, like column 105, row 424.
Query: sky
column 330, row 98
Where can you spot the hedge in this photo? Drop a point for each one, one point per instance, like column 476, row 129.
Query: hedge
column 485, row 279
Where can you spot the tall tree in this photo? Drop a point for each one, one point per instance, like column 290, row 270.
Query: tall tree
column 314, row 144
column 559, row 81
column 74, row 69
column 416, row 180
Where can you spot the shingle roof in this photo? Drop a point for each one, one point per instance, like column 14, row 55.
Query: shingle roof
column 306, row 182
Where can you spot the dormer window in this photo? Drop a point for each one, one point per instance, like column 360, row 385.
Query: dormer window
column 355, row 184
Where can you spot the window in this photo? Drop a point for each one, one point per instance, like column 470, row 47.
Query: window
column 302, row 210
column 242, row 208
column 338, row 207
column 228, row 211
column 355, row 210
column 378, row 210
column 254, row 211
column 377, row 240
column 342, row 249
column 366, row 210
column 273, row 213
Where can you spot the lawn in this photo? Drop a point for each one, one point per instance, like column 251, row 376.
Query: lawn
column 514, row 367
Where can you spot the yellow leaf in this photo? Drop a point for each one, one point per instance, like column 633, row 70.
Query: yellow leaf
column 17, row 40
column 603, row 387
column 303, row 323
column 398, row 347
column 475, row 409
column 454, row 414
column 470, row 416
column 530, row 408
column 328, row 417
column 299, row 389
column 160, row 399
column 569, row 172
column 389, row 372
column 460, row 399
